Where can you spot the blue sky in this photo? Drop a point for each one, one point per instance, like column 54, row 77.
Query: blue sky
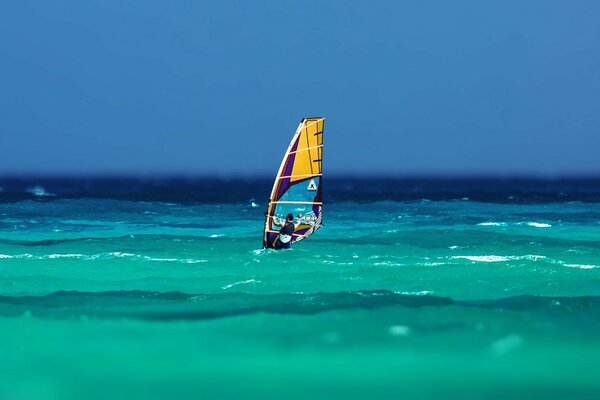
column 427, row 87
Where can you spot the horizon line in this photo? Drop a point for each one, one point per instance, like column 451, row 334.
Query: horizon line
column 333, row 176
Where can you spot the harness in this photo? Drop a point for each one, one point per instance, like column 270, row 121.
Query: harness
column 285, row 234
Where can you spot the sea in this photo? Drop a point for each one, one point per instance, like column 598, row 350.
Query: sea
column 425, row 287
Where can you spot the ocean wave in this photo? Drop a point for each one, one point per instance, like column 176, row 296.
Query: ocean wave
column 39, row 191
column 581, row 266
column 528, row 223
column 52, row 256
column 114, row 254
column 495, row 258
column 482, row 258
column 492, row 224
column 526, row 257
column 419, row 293
column 159, row 258
column 83, row 222
column 17, row 256
column 164, row 306
column 388, row 264
column 137, row 304
column 240, row 283
column 538, row 224
column 11, row 220
column 120, row 254
column 431, row 264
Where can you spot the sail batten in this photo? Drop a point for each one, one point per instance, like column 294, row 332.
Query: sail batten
column 306, row 149
column 297, row 189
column 296, row 202
column 297, row 176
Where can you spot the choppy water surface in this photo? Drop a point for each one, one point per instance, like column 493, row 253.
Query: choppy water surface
column 437, row 288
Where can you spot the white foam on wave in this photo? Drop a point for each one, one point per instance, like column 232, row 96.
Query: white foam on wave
column 494, row 258
column 482, row 258
column 7, row 256
column 528, row 223
column 538, row 224
column 149, row 258
column 217, row 235
column 240, row 283
column 388, row 264
column 159, row 259
column 420, row 293
column 431, row 264
column 101, row 256
column 193, row 261
column 119, row 254
column 582, row 266
column 532, row 257
column 39, row 191
column 75, row 255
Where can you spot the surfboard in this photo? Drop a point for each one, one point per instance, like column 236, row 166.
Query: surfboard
column 297, row 189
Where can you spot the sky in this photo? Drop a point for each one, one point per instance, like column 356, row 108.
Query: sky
column 218, row 88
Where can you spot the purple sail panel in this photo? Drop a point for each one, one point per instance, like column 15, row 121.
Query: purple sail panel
column 270, row 239
column 284, row 183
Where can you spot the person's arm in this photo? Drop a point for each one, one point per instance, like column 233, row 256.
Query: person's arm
column 277, row 223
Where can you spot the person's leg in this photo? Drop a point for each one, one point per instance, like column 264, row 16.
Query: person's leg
column 276, row 243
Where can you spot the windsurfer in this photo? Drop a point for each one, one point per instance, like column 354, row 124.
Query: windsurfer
column 284, row 239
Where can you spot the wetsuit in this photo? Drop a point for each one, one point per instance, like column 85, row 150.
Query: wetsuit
column 284, row 240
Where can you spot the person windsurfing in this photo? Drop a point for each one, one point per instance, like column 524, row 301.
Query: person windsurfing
column 284, row 238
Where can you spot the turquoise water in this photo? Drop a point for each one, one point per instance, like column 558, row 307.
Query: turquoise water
column 152, row 293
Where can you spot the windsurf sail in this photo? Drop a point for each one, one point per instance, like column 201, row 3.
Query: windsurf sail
column 297, row 189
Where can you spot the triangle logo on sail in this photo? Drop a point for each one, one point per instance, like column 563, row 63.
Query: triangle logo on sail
column 312, row 186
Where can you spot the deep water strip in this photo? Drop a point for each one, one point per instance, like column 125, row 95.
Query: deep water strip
column 167, row 306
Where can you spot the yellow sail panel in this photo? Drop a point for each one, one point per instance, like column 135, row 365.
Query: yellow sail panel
column 302, row 166
column 309, row 149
